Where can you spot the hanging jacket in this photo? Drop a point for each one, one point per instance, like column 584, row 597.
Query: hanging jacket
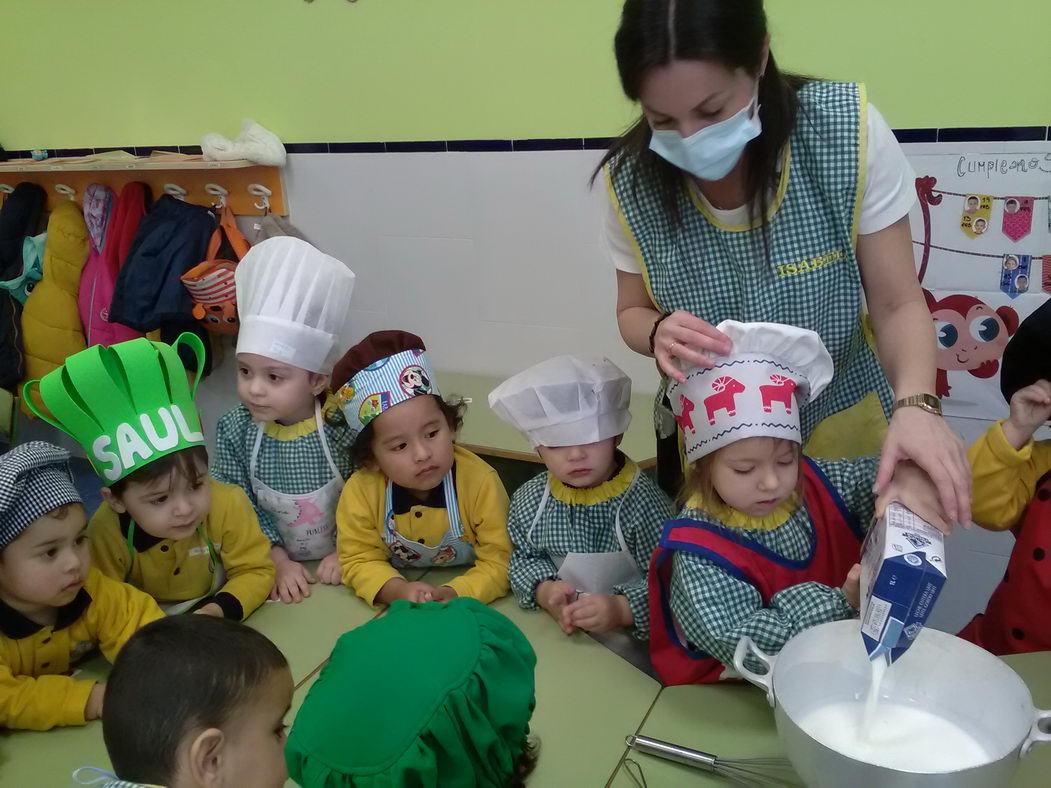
column 51, row 327
column 171, row 240
column 109, row 226
column 19, row 218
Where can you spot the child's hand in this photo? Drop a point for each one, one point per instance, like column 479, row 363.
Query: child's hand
column 418, row 591
column 328, row 571
column 93, row 708
column 553, row 596
column 852, row 587
column 292, row 583
column 912, row 487
column 598, row 613
column 1030, row 408
column 444, row 594
column 211, row 609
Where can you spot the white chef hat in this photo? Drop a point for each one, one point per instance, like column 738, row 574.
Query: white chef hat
column 293, row 302
column 756, row 391
column 566, row 401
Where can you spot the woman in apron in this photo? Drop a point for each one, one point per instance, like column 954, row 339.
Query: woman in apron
column 748, row 194
column 276, row 445
column 583, row 532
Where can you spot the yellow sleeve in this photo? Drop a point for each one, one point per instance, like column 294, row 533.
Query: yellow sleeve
column 41, row 703
column 109, row 548
column 117, row 611
column 487, row 518
column 1004, row 480
column 244, row 551
column 363, row 557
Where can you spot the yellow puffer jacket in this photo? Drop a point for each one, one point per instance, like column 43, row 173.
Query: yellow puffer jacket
column 51, row 328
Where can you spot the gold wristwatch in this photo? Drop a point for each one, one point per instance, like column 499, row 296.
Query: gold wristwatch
column 927, row 402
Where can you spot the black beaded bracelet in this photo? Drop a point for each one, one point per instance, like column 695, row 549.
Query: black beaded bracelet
column 653, row 331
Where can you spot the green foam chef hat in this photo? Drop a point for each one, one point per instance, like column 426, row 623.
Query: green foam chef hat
column 430, row 694
column 127, row 405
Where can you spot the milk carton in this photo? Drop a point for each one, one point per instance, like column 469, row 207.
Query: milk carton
column 902, row 573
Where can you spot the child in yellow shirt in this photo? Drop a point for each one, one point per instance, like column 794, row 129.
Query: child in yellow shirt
column 1012, row 490
column 54, row 607
column 419, row 500
column 164, row 526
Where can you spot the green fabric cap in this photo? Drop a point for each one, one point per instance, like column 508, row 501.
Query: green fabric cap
column 127, row 405
column 429, row 695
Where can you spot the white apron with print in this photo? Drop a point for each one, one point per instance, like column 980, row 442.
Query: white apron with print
column 305, row 522
column 453, row 550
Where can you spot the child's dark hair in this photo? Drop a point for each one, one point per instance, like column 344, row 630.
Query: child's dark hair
column 186, row 463
column 453, row 410
column 653, row 33
column 175, row 676
column 525, row 764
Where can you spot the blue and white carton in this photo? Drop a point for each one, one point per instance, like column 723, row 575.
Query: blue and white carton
column 902, row 573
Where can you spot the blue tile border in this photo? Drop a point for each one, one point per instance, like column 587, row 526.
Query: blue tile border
column 479, row 146
column 994, row 134
column 419, row 146
column 355, row 147
column 916, row 135
column 977, row 134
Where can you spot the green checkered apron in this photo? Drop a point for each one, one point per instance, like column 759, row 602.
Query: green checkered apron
column 811, row 279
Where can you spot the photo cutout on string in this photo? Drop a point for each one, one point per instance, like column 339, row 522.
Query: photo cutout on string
column 977, row 208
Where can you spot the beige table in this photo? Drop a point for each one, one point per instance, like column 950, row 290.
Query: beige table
column 735, row 721
column 484, row 433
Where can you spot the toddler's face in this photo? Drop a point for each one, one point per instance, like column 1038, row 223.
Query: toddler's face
column 580, row 466
column 273, row 391
column 47, row 565
column 168, row 507
column 756, row 475
column 412, row 443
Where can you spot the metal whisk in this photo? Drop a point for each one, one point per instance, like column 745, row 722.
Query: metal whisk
column 743, row 771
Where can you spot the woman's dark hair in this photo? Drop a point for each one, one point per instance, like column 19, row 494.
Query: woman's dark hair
column 453, row 410
column 186, row 462
column 175, row 676
column 525, row 765
column 654, row 33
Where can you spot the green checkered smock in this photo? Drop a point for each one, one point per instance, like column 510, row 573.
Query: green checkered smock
column 811, row 278
column 292, row 463
column 582, row 521
column 714, row 608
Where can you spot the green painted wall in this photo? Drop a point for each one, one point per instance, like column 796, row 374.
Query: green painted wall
column 114, row 72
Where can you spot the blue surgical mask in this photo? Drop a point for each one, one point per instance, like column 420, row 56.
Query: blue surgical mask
column 710, row 154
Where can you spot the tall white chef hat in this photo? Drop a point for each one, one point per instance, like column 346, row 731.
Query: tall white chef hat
column 566, row 401
column 293, row 302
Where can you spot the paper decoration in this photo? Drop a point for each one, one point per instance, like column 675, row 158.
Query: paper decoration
column 1045, row 280
column 1014, row 274
column 1018, row 217
column 977, row 208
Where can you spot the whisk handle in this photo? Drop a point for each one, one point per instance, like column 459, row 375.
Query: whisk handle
column 672, row 752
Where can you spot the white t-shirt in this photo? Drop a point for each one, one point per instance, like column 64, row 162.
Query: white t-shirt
column 890, row 191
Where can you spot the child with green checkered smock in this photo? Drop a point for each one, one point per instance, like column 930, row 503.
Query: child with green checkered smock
column 767, row 543
column 582, row 532
column 277, row 445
